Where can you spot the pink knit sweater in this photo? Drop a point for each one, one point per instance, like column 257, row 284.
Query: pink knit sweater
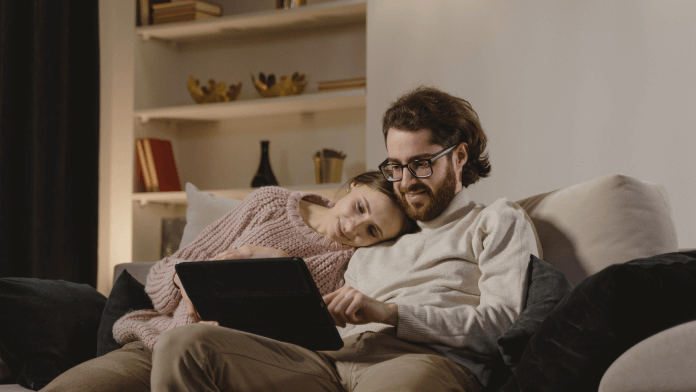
column 269, row 217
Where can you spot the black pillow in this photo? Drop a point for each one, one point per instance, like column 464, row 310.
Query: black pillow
column 126, row 295
column 605, row 315
column 47, row 327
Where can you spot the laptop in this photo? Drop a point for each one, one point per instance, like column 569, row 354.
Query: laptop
column 274, row 297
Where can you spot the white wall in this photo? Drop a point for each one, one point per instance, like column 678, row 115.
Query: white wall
column 566, row 91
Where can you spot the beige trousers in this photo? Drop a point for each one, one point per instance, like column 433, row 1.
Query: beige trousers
column 207, row 358
column 202, row 357
column 126, row 369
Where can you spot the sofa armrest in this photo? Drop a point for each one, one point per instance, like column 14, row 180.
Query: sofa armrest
column 662, row 362
column 137, row 270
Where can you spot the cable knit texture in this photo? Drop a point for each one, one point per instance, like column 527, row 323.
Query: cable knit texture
column 269, row 217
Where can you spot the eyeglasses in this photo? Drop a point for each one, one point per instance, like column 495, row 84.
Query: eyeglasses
column 420, row 168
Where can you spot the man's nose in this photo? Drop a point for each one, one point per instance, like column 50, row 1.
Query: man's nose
column 407, row 178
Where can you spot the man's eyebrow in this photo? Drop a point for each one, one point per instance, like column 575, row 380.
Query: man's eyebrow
column 415, row 157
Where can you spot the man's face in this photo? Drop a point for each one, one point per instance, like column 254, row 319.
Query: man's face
column 424, row 199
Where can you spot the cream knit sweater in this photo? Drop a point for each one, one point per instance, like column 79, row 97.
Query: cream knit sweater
column 268, row 217
column 458, row 282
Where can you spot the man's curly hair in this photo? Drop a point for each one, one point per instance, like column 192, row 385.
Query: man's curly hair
column 451, row 121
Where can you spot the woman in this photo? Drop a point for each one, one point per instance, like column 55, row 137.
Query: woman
column 270, row 222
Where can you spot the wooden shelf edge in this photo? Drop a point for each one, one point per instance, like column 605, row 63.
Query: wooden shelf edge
column 325, row 14
column 144, row 198
column 345, row 99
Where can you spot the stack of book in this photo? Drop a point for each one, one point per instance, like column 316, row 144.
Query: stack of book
column 342, row 84
column 155, row 167
column 184, row 10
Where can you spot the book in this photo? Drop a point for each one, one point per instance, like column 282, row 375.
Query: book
column 191, row 5
column 341, row 84
column 144, row 11
column 143, row 182
column 342, row 81
column 183, row 17
column 161, row 165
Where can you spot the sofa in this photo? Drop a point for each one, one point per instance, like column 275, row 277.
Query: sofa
column 591, row 233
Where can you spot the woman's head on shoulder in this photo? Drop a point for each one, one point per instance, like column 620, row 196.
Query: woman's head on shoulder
column 369, row 212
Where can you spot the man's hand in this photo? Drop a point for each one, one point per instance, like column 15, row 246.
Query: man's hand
column 349, row 306
column 250, row 252
column 189, row 306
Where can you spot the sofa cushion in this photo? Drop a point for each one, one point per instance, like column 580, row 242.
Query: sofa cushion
column 604, row 316
column 47, row 327
column 127, row 294
column 613, row 219
column 662, row 362
column 203, row 209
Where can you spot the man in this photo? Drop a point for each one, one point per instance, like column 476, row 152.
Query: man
column 419, row 313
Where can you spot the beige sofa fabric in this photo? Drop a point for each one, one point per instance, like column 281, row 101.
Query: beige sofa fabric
column 663, row 362
column 608, row 220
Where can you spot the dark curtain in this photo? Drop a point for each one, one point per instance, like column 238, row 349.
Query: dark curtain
column 49, row 139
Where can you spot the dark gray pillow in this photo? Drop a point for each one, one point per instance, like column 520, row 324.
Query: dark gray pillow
column 126, row 295
column 546, row 287
column 47, row 327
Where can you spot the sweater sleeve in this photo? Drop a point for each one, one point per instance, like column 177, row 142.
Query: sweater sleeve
column 503, row 239
column 215, row 239
column 327, row 269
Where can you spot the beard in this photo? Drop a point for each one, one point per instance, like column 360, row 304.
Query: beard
column 438, row 199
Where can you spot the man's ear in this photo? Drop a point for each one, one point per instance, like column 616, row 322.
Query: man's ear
column 352, row 185
column 460, row 155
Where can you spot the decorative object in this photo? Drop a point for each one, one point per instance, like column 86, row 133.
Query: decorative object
column 267, row 86
column 264, row 176
column 328, row 166
column 288, row 4
column 172, row 232
column 212, row 92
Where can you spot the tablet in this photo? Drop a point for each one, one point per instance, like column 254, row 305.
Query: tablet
column 274, row 297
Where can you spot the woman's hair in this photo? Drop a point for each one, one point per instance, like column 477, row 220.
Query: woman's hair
column 449, row 119
column 375, row 180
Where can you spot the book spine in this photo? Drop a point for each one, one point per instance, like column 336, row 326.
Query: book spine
column 151, row 165
column 142, row 163
column 202, row 6
column 182, row 18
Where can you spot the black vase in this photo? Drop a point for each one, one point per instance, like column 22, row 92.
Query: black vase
column 264, row 176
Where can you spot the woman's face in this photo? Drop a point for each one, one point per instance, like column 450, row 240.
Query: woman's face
column 364, row 217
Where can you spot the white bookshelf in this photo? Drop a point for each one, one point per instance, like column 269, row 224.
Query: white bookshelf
column 216, row 144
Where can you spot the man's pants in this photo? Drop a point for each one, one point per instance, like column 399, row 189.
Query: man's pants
column 201, row 357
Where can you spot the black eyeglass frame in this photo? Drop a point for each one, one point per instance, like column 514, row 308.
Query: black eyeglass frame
column 406, row 165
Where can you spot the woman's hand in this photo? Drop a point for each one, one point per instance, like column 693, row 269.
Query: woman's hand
column 349, row 306
column 192, row 312
column 250, row 252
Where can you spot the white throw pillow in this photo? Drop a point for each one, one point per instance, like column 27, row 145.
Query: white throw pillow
column 204, row 208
